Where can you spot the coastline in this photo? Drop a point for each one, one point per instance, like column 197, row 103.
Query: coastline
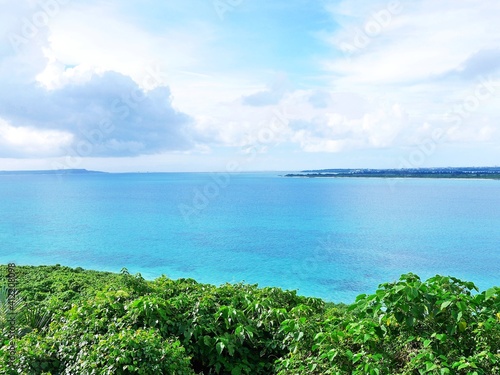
column 398, row 177
column 478, row 173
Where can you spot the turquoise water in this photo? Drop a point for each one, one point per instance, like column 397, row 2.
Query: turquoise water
column 331, row 238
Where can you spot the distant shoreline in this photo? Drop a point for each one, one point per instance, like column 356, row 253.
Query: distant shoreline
column 491, row 173
column 480, row 173
column 396, row 177
column 51, row 172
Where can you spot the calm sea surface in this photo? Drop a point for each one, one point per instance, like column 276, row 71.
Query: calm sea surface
column 330, row 238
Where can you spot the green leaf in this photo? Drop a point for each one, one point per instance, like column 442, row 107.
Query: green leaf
column 489, row 293
column 445, row 304
column 462, row 326
column 332, row 354
column 410, row 321
column 441, row 336
column 220, row 347
column 463, row 365
column 239, row 330
column 429, row 366
column 318, row 336
column 348, row 353
column 230, row 349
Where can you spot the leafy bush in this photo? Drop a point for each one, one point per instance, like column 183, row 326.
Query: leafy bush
column 124, row 324
column 408, row 327
column 119, row 352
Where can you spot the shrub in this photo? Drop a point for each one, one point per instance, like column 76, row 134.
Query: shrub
column 123, row 324
column 408, row 327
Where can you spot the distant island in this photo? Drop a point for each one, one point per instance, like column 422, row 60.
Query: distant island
column 448, row 172
column 52, row 171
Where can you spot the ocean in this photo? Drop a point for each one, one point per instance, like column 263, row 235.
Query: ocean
column 332, row 238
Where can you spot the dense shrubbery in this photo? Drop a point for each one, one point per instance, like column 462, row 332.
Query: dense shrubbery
column 72, row 321
column 406, row 327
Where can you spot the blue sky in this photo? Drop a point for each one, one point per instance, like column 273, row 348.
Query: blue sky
column 197, row 85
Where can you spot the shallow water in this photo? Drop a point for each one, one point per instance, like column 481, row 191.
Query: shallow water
column 330, row 238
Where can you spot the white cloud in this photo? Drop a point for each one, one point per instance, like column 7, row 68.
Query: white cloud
column 93, row 35
column 428, row 57
column 108, row 115
column 329, row 129
column 391, row 92
column 26, row 141
column 411, row 57
column 426, row 39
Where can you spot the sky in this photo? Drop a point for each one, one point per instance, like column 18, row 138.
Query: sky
column 248, row 85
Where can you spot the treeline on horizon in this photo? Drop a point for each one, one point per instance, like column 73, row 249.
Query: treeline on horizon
column 449, row 172
column 75, row 321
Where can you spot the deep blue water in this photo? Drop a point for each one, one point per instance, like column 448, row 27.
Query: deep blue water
column 331, row 238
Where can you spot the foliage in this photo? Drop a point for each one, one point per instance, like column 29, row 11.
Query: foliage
column 116, row 352
column 408, row 327
column 27, row 317
column 72, row 321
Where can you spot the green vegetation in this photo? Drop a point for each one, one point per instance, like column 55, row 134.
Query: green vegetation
column 72, row 321
column 463, row 173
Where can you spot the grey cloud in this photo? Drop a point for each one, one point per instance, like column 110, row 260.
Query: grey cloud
column 262, row 98
column 109, row 111
column 317, row 127
column 348, row 104
column 482, row 62
column 320, row 99
column 268, row 97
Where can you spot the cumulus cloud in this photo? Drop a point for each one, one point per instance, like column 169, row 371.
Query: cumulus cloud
column 263, row 98
column 109, row 112
column 23, row 141
column 420, row 61
column 320, row 99
column 70, row 92
column 384, row 78
column 334, row 131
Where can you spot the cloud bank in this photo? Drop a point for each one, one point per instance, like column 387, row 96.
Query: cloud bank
column 119, row 80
